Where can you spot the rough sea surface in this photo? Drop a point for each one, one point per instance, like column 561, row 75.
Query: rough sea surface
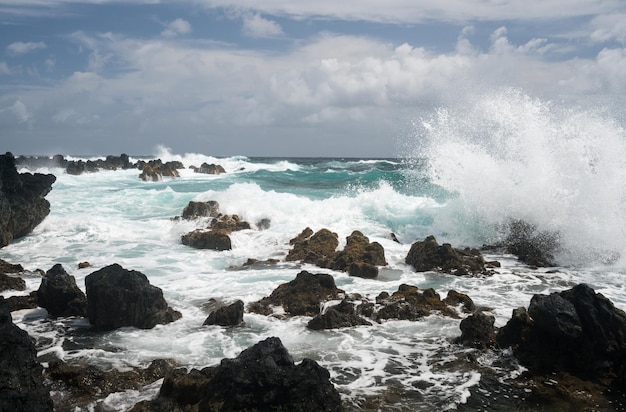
column 461, row 178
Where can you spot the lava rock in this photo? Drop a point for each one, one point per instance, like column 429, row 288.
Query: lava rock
column 195, row 210
column 428, row 255
column 478, row 331
column 342, row 315
column 315, row 248
column 207, row 239
column 59, row 294
column 231, row 315
column 117, row 297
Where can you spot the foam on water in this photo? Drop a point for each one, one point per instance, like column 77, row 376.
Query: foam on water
column 509, row 156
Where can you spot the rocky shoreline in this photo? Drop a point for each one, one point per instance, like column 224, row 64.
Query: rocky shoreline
column 572, row 343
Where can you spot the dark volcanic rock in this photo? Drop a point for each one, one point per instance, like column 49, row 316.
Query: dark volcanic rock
column 363, row 270
column 22, row 302
column 300, row 297
column 477, row 331
column 577, row 331
column 6, row 267
column 358, row 250
column 231, row 315
column 59, row 294
column 21, row 382
column 428, row 255
column 455, row 298
column 342, row 315
column 11, row 282
column 22, row 202
column 207, row 239
column 118, row 297
column 315, row 248
column 155, row 170
column 229, row 223
column 533, row 247
column 262, row 378
column 409, row 303
column 194, row 210
column 211, row 169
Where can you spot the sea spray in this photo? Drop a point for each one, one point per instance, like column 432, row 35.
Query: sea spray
column 508, row 156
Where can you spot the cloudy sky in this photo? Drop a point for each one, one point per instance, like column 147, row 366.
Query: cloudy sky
column 285, row 77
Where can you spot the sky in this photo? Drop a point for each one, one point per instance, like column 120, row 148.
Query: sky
column 285, row 77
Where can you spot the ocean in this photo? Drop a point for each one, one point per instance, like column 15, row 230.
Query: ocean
column 460, row 177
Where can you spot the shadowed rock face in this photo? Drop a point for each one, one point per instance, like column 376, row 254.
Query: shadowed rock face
column 231, row 315
column 21, row 382
column 22, row 202
column 262, row 378
column 118, row 297
column 428, row 255
column 59, row 294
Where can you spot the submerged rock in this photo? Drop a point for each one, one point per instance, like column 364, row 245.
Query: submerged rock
column 59, row 294
column 117, row 297
column 428, row 255
column 22, row 200
column 302, row 296
column 21, row 382
column 262, row 378
column 531, row 246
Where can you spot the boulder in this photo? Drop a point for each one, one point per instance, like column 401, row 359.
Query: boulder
column 455, row 298
column 302, row 296
column 576, row 331
column 342, row 315
column 22, row 200
column 6, row 267
column 207, row 239
column 315, row 248
column 59, row 294
column 358, row 250
column 263, row 377
column 22, row 302
column 478, row 331
column 531, row 246
column 428, row 255
column 11, row 282
column 195, row 210
column 211, row 169
column 21, row 382
column 409, row 303
column 155, row 170
column 231, row 315
column 229, row 223
column 363, row 270
column 117, row 297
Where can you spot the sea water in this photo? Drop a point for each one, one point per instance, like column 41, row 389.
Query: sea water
column 466, row 173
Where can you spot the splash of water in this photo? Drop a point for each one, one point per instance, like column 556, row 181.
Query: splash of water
column 510, row 156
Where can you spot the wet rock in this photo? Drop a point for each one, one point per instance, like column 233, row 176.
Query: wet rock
column 117, row 297
column 315, row 248
column 428, row 255
column 302, row 296
column 59, row 294
column 22, row 200
column 83, row 384
column 155, row 170
column 262, row 378
column 478, row 331
column 576, row 331
column 21, row 382
column 22, row 302
column 34, row 162
column 263, row 224
column 195, row 210
column 6, row 267
column 409, row 303
column 11, row 282
column 207, row 239
column 531, row 246
column 84, row 265
column 455, row 298
column 211, row 169
column 229, row 223
column 342, row 315
column 231, row 315
column 363, row 270
column 358, row 250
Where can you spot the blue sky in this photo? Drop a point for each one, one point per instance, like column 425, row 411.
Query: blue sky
column 284, row 77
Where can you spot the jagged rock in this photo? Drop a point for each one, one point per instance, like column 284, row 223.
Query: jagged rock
column 81, row 384
column 84, row 265
column 300, row 297
column 533, row 247
column 22, row 302
column 6, row 267
column 478, row 331
column 117, row 297
column 342, row 315
column 428, row 255
column 455, row 298
column 194, row 210
column 229, row 223
column 155, row 170
column 409, row 303
column 22, row 202
column 11, row 282
column 262, row 378
column 313, row 248
column 363, row 270
column 358, row 250
column 576, row 331
column 207, row 239
column 21, row 382
column 59, row 294
column 33, row 162
column 211, row 169
column 231, row 315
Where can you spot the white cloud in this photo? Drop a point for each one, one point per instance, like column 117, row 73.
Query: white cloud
column 4, row 68
column 176, row 28
column 21, row 112
column 609, row 27
column 20, row 48
column 256, row 26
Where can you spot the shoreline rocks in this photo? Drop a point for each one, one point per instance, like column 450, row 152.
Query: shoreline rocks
column 117, row 297
column 59, row 294
column 428, row 255
column 22, row 200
